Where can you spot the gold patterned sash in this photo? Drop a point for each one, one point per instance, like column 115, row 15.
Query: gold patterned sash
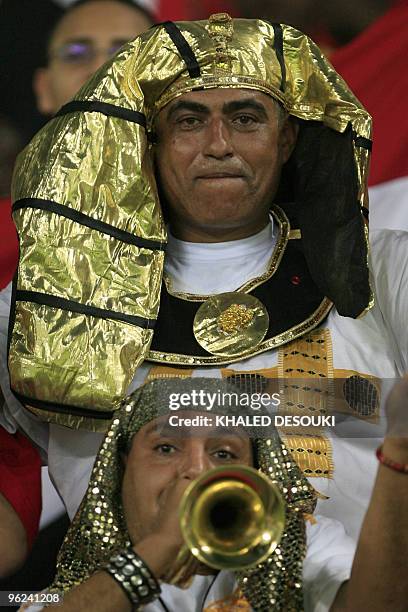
column 309, row 358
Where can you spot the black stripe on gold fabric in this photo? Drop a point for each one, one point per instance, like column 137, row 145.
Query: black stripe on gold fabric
column 278, row 46
column 362, row 142
column 365, row 212
column 12, row 316
column 45, row 299
column 183, row 48
column 63, row 408
column 95, row 224
column 110, row 110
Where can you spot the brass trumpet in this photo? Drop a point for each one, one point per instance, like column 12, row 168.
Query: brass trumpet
column 232, row 517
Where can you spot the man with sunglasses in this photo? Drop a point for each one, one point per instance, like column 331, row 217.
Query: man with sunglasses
column 87, row 35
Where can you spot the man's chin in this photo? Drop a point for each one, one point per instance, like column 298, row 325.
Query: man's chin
column 229, row 196
column 218, row 213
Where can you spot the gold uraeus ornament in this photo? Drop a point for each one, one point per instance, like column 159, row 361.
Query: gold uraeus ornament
column 88, row 214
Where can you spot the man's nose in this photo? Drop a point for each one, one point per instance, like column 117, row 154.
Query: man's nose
column 218, row 140
column 195, row 461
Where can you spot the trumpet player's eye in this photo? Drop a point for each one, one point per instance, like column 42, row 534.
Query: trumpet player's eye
column 165, row 449
column 224, row 454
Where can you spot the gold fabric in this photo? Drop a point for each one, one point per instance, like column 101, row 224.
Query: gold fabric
column 308, row 358
column 168, row 372
column 98, row 529
column 100, row 165
column 313, row 454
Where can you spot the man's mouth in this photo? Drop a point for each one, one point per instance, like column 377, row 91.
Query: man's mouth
column 220, row 175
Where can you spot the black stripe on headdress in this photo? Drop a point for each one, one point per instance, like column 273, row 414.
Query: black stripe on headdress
column 365, row 212
column 87, row 221
column 278, row 46
column 183, row 48
column 53, row 301
column 110, row 110
column 362, row 142
column 63, row 408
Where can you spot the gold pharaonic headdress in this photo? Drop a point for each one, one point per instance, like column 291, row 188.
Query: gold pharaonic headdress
column 87, row 210
column 99, row 530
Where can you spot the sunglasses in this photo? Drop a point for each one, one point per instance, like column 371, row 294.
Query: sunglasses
column 83, row 52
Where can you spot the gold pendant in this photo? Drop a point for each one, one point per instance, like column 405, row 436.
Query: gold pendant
column 229, row 324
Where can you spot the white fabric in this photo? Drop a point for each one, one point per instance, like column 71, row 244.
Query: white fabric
column 375, row 344
column 189, row 264
column 389, row 205
column 326, row 566
column 52, row 506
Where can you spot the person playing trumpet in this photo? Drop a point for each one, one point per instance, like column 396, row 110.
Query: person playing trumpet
column 125, row 538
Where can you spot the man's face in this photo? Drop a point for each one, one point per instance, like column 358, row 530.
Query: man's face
column 219, row 155
column 165, row 458
column 82, row 42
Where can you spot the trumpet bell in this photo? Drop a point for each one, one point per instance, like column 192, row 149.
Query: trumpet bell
column 232, row 517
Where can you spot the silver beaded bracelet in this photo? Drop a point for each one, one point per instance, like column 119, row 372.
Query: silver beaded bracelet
column 133, row 575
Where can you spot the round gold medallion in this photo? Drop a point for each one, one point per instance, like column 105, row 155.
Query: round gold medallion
column 229, row 324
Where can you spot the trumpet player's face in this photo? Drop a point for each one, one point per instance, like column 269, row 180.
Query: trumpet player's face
column 162, row 462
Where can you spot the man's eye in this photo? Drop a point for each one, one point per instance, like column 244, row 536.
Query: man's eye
column 188, row 122
column 245, row 120
column 165, row 449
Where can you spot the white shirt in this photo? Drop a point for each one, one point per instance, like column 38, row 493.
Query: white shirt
column 190, row 264
column 326, row 566
column 376, row 344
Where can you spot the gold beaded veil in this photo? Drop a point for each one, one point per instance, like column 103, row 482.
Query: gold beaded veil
column 87, row 210
column 98, row 529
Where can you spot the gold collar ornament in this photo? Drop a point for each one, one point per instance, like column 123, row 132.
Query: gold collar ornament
column 231, row 323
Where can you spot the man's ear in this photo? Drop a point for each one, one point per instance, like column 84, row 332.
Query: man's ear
column 288, row 136
column 42, row 90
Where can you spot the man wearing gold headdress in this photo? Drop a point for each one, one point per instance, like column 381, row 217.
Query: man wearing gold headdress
column 241, row 135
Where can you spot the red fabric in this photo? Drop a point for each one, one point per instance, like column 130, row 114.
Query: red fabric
column 20, row 479
column 374, row 65
column 184, row 10
column 8, row 243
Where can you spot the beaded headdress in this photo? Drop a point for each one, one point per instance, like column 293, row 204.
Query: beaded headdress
column 98, row 529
